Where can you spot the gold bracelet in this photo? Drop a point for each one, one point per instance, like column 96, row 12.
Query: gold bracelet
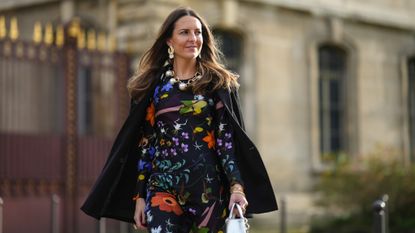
column 236, row 188
column 238, row 192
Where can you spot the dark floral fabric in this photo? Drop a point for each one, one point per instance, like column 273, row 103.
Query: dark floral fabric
column 186, row 156
column 187, row 142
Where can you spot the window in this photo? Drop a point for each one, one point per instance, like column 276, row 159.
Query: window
column 411, row 106
column 231, row 46
column 332, row 100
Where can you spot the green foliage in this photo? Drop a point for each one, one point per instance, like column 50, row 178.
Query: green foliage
column 348, row 191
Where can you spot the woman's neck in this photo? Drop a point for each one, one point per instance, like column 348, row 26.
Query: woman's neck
column 184, row 69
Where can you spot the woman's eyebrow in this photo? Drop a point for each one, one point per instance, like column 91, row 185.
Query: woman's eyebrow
column 181, row 29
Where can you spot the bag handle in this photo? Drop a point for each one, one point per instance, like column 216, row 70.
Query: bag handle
column 238, row 207
column 241, row 215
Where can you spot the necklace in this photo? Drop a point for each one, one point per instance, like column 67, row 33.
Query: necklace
column 183, row 84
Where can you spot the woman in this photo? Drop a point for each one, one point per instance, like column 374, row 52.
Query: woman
column 183, row 143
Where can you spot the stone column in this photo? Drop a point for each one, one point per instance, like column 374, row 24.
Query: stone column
column 67, row 10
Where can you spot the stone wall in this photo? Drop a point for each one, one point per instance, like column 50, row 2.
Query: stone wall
column 279, row 74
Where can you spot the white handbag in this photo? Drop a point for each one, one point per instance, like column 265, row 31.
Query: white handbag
column 236, row 225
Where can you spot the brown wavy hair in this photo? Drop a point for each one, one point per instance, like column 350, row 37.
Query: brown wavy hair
column 215, row 75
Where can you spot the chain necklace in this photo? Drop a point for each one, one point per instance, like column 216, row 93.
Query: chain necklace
column 183, row 84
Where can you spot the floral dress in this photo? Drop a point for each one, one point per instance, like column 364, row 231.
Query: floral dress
column 186, row 157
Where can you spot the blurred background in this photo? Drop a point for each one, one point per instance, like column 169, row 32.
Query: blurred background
column 327, row 86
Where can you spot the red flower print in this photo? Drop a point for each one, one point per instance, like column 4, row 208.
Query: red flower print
column 166, row 202
column 210, row 139
column 151, row 110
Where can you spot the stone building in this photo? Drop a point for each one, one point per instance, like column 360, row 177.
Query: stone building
column 320, row 78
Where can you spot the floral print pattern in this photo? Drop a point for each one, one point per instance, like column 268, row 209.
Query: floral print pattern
column 186, row 154
column 166, row 202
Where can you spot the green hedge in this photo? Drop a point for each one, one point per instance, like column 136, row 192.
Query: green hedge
column 348, row 191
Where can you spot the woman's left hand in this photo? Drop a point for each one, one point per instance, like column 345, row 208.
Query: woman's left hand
column 240, row 199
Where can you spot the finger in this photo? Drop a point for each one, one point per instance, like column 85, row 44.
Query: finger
column 243, row 209
column 143, row 217
column 138, row 224
column 141, row 226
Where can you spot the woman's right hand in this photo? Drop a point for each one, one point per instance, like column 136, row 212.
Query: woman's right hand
column 139, row 215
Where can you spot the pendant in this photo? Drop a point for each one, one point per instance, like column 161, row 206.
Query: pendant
column 169, row 73
column 182, row 86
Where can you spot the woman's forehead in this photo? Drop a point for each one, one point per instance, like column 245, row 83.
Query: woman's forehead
column 188, row 22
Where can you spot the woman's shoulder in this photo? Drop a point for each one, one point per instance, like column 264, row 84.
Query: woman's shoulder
column 227, row 91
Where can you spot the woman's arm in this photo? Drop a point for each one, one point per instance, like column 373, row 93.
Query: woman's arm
column 226, row 152
column 146, row 155
column 144, row 166
column 225, row 145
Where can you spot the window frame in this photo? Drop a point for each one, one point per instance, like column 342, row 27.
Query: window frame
column 406, row 54
column 351, row 122
column 332, row 83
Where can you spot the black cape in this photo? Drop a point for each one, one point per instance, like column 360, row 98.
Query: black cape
column 112, row 194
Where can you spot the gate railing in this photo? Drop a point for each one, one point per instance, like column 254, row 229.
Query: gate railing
column 62, row 99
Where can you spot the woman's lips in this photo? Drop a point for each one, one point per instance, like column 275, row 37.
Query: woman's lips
column 193, row 48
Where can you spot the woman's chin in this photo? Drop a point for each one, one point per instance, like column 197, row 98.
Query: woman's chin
column 190, row 56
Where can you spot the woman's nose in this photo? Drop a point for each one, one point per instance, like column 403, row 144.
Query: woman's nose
column 192, row 36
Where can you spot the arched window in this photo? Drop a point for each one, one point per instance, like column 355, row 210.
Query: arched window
column 411, row 106
column 332, row 100
column 230, row 44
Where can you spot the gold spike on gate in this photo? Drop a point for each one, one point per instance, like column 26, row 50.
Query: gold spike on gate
column 74, row 27
column 14, row 30
column 48, row 39
column 102, row 42
column 60, row 37
column 81, row 39
column 92, row 44
column 2, row 27
column 111, row 43
column 37, row 32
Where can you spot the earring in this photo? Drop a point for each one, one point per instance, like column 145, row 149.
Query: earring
column 170, row 50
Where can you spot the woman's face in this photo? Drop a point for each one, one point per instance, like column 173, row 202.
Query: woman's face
column 186, row 39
